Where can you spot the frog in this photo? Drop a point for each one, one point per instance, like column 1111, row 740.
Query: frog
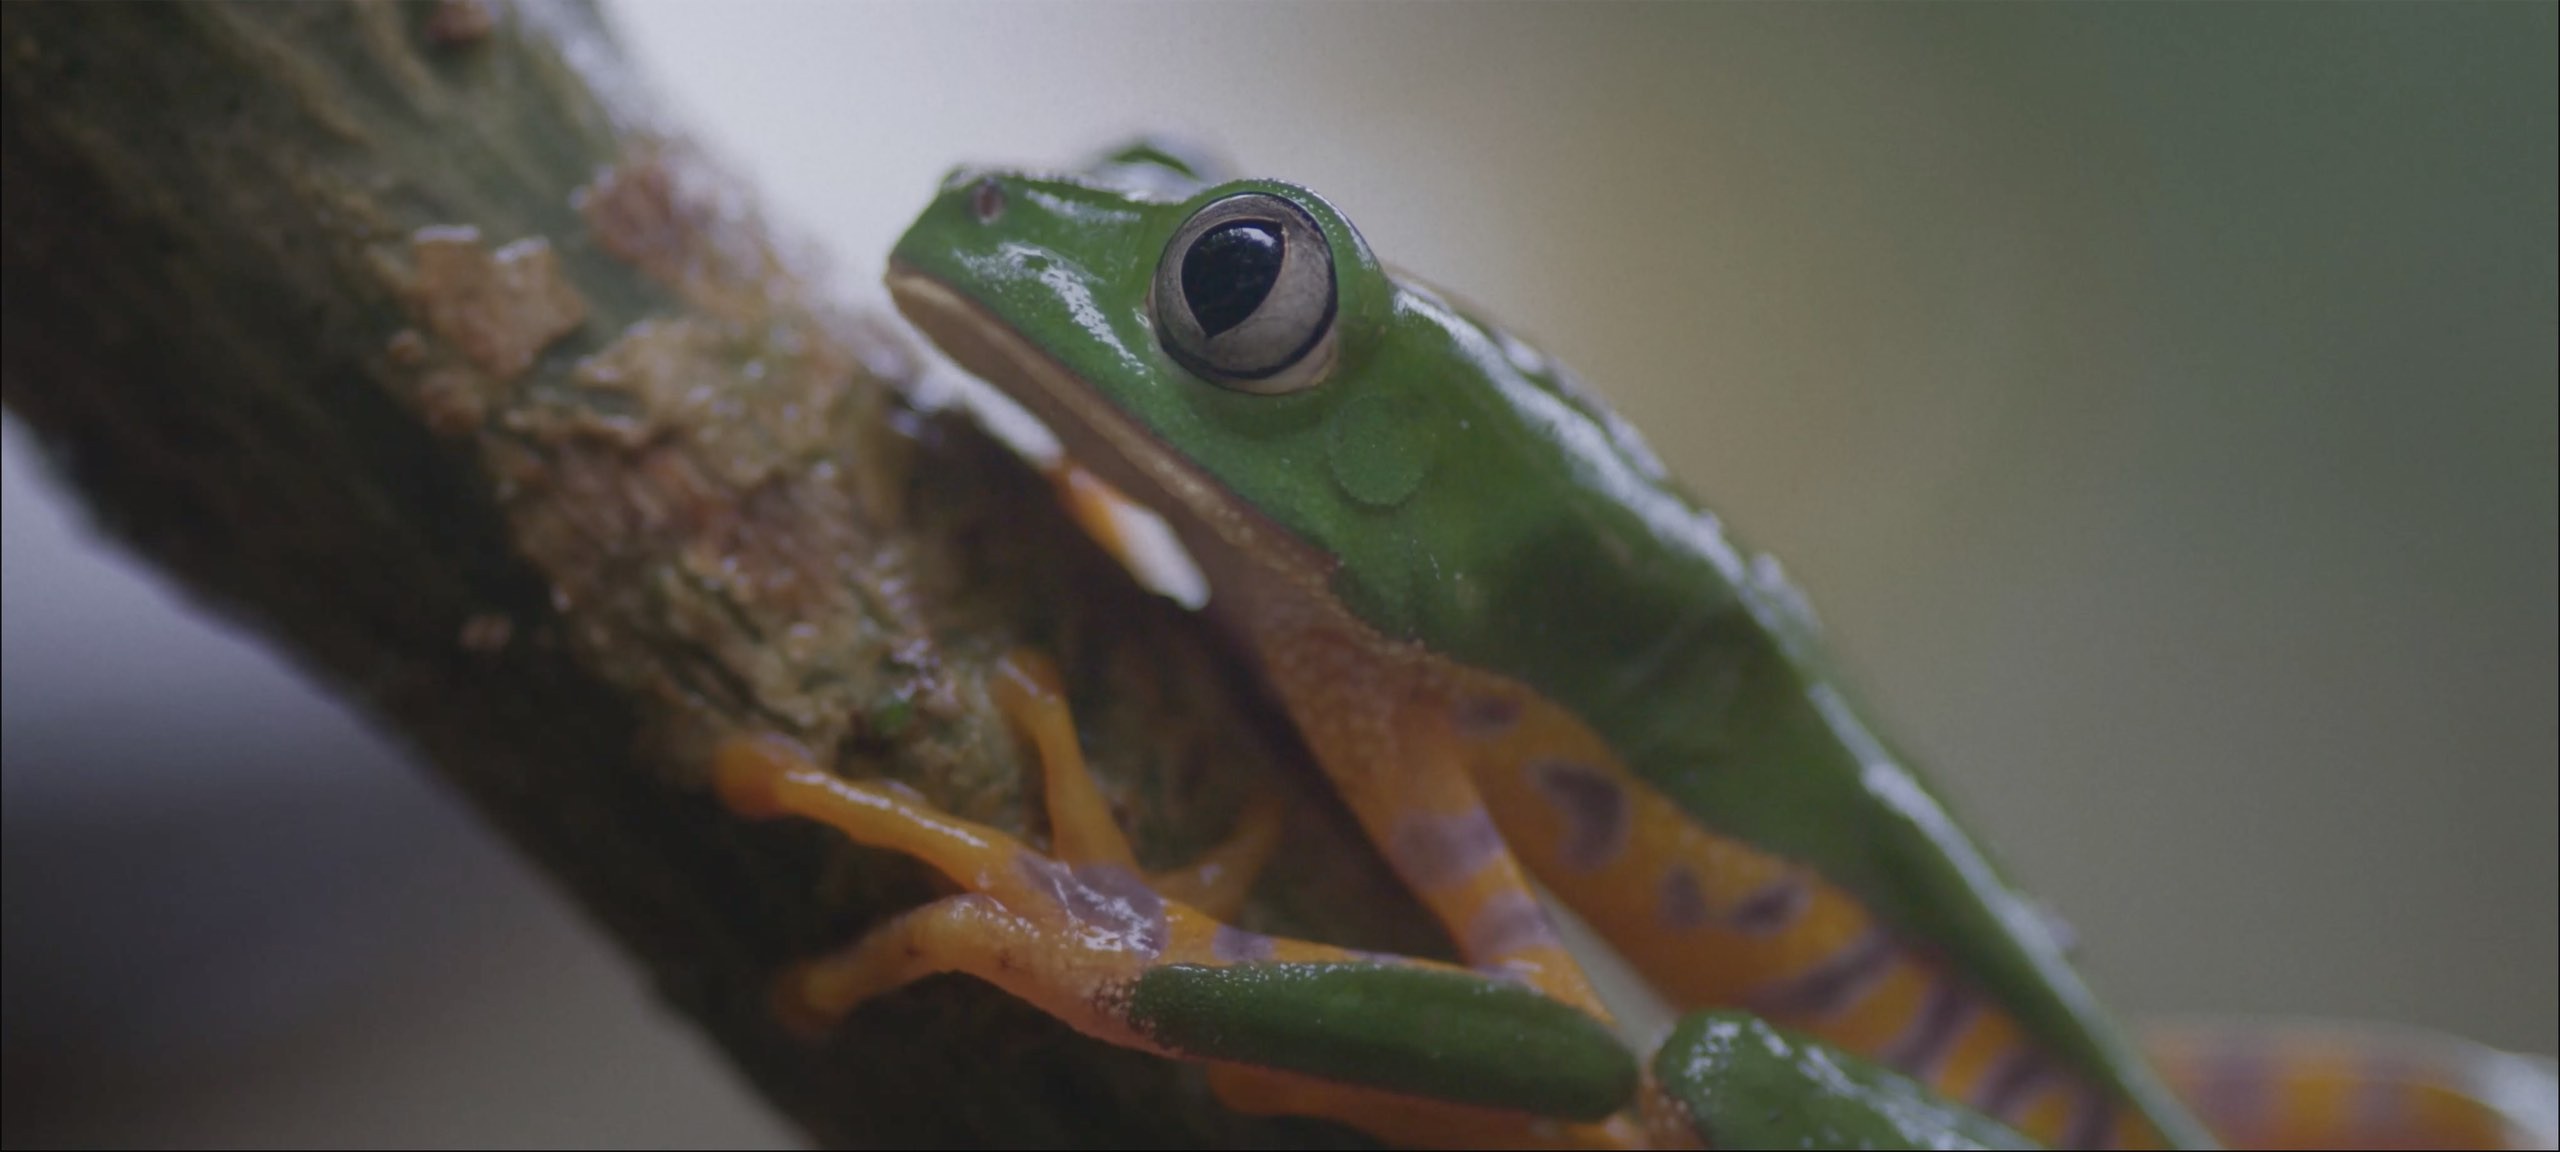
column 1530, row 664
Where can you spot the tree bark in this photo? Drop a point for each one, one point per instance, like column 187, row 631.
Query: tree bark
column 412, row 336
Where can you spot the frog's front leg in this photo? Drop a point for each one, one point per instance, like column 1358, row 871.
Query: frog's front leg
column 1027, row 690
column 1082, row 934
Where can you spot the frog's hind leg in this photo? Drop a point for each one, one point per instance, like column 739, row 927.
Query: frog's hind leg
column 1084, row 937
column 2350, row 1086
column 1075, row 936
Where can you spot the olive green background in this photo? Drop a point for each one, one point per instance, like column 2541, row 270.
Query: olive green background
column 2157, row 402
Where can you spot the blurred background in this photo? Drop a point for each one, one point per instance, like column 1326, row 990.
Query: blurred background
column 2157, row 402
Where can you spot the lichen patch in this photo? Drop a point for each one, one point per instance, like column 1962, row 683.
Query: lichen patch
column 453, row 399
column 691, row 229
column 745, row 403
column 634, row 213
column 500, row 309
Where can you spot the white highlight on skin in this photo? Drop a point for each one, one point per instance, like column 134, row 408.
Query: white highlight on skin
column 1912, row 1118
column 1783, row 596
column 1062, row 281
column 1645, row 1017
column 1154, row 555
column 1891, row 784
column 1157, row 557
column 945, row 383
column 1179, row 481
column 1595, row 455
column 1611, row 457
column 2521, row 1087
column 1088, row 213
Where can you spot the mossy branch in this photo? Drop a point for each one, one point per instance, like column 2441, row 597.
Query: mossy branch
column 410, row 335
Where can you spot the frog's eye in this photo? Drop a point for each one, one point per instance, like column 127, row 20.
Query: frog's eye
column 1244, row 295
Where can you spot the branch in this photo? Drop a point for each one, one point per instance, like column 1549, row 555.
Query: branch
column 410, row 336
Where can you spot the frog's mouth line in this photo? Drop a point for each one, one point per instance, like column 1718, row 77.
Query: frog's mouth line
column 1235, row 546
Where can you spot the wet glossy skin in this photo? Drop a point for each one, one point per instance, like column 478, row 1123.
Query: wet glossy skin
column 1454, row 492
column 1731, row 1071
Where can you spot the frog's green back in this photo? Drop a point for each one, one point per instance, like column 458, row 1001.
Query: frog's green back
column 1474, row 499
column 1584, row 572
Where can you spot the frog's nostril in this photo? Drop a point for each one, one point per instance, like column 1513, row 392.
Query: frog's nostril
column 986, row 200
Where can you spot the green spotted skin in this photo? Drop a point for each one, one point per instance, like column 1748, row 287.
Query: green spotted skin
column 1745, row 1084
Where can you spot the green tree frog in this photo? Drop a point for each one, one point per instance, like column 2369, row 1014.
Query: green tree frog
column 1518, row 650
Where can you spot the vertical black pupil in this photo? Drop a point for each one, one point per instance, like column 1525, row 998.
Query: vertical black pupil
column 1229, row 270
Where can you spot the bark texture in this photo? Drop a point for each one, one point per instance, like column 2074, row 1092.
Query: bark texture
column 410, row 335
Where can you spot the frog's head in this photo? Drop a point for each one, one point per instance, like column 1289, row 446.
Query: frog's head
column 1228, row 312
column 1237, row 359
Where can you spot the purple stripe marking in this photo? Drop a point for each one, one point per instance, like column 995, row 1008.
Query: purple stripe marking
column 1485, row 716
column 1237, row 946
column 1597, row 813
column 1104, row 897
column 1507, row 925
column 1679, row 904
column 1433, row 852
column 2013, row 1082
column 1838, row 981
column 1924, row 1042
column 1775, row 905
